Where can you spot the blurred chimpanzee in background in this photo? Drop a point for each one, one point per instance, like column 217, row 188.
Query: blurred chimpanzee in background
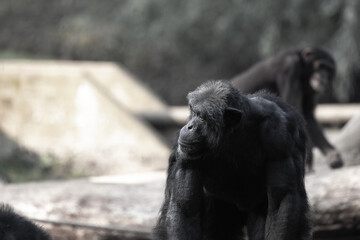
column 297, row 76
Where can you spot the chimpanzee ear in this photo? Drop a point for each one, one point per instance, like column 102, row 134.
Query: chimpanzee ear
column 232, row 116
column 307, row 53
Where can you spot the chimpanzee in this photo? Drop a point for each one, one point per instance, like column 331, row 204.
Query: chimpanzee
column 16, row 227
column 298, row 76
column 238, row 162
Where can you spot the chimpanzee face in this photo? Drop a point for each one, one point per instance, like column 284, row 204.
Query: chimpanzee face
column 322, row 75
column 206, row 126
column 322, row 68
column 193, row 136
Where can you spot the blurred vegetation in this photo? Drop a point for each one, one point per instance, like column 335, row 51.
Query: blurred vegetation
column 24, row 165
column 172, row 45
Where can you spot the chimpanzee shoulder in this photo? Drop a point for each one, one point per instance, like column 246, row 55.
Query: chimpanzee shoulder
column 283, row 127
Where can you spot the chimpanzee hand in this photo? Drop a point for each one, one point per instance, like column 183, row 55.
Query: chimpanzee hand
column 334, row 159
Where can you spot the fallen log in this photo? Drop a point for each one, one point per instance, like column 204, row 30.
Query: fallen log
column 336, row 113
column 65, row 230
column 333, row 114
column 119, row 206
column 171, row 116
column 335, row 200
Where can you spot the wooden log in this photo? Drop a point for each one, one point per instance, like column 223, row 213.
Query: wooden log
column 336, row 113
column 118, row 207
column 65, row 230
column 325, row 113
column 171, row 116
column 335, row 201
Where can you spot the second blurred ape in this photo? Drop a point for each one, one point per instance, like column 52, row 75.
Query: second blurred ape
column 298, row 77
column 16, row 227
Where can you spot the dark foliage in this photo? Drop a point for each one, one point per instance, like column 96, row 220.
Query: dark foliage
column 182, row 43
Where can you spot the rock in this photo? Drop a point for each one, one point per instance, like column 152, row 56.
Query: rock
column 80, row 115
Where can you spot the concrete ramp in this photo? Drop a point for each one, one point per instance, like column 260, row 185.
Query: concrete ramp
column 80, row 114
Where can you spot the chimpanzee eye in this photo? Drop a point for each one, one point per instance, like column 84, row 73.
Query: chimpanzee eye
column 201, row 116
column 197, row 114
column 325, row 67
column 192, row 113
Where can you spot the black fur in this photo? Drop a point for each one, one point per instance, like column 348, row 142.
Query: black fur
column 290, row 74
column 238, row 162
column 16, row 227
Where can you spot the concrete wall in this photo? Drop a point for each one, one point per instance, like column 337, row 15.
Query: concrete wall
column 80, row 114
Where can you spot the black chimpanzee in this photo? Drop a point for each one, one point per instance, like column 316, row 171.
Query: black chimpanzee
column 16, row 227
column 298, row 77
column 239, row 161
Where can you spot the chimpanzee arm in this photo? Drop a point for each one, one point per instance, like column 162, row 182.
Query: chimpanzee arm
column 287, row 203
column 333, row 158
column 316, row 134
column 289, row 83
column 160, row 230
column 180, row 216
column 185, row 205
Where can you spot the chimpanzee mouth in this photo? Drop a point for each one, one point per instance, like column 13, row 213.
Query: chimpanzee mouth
column 193, row 148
